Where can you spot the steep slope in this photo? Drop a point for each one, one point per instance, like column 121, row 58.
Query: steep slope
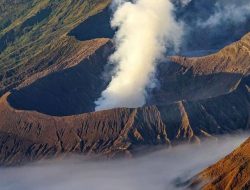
column 36, row 36
column 232, row 172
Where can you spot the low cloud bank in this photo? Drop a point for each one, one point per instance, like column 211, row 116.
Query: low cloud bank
column 156, row 171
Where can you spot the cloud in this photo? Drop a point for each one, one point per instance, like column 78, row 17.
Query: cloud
column 155, row 171
column 146, row 29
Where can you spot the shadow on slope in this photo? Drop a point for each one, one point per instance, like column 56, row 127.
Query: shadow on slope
column 180, row 83
column 74, row 90
column 97, row 26
column 67, row 92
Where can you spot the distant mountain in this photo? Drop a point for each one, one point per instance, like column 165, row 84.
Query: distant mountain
column 232, row 172
column 199, row 97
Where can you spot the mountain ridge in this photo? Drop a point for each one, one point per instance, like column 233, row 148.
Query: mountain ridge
column 121, row 131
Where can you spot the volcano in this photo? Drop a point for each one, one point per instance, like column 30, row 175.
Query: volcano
column 42, row 117
column 54, row 65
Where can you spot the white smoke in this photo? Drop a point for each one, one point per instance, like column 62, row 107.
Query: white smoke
column 228, row 12
column 146, row 28
column 184, row 2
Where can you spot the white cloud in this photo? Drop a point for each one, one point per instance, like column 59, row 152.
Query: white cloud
column 155, row 171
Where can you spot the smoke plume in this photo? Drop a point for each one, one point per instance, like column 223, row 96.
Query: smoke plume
column 146, row 28
column 182, row 3
column 210, row 25
column 230, row 13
